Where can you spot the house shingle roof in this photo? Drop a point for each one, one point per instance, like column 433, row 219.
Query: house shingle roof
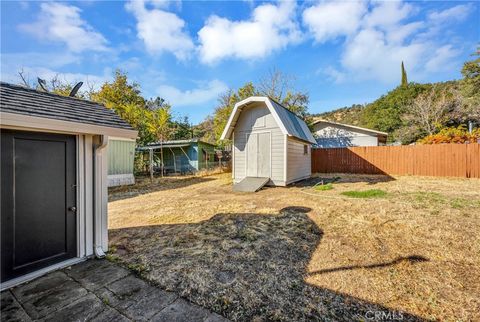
column 21, row 100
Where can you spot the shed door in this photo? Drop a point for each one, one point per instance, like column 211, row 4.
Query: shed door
column 252, row 142
column 38, row 184
column 258, row 155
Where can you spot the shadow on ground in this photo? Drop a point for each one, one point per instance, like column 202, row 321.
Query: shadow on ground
column 144, row 186
column 243, row 266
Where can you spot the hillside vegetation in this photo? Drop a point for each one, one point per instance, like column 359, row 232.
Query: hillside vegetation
column 413, row 111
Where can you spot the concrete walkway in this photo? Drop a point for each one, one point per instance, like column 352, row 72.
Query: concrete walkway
column 97, row 290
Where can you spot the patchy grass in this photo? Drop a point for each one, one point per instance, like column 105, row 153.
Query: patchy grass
column 372, row 193
column 323, row 187
column 295, row 254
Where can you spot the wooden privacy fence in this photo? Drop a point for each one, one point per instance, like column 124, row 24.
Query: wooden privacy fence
column 442, row 160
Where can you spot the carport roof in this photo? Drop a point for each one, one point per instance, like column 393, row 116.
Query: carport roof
column 25, row 101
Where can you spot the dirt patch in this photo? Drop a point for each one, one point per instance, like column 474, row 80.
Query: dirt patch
column 301, row 254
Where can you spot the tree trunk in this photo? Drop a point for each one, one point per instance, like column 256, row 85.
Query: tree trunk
column 161, row 157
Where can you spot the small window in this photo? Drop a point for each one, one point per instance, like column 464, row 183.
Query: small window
column 305, row 149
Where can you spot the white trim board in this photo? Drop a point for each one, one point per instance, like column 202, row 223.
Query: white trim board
column 33, row 123
column 232, row 120
column 30, row 276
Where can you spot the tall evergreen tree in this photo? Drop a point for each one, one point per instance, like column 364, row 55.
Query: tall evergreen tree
column 404, row 76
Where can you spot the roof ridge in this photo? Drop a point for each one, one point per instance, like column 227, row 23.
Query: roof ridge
column 348, row 125
column 49, row 93
column 271, row 98
column 27, row 101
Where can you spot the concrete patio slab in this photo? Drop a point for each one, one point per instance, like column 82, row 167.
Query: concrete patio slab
column 181, row 311
column 97, row 290
column 11, row 309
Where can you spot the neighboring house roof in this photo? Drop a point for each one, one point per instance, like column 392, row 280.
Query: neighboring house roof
column 289, row 122
column 349, row 126
column 25, row 101
column 173, row 144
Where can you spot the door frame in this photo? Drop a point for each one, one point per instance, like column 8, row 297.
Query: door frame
column 246, row 150
column 82, row 234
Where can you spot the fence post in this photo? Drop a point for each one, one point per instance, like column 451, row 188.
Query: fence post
column 150, row 153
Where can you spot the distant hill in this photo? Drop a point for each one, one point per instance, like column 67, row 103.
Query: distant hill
column 349, row 115
column 392, row 112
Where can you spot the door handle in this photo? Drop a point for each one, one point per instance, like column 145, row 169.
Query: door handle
column 73, row 209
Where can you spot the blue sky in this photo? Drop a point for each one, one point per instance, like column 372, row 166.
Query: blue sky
column 189, row 52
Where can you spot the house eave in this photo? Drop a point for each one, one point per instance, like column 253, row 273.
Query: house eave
column 34, row 123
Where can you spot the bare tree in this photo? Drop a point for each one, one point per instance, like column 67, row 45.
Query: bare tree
column 24, row 78
column 429, row 109
column 279, row 86
column 275, row 84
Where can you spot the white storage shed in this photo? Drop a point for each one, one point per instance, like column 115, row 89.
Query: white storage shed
column 54, row 180
column 269, row 141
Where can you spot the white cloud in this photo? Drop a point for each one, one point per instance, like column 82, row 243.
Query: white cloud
column 333, row 74
column 441, row 59
column 203, row 94
column 31, row 74
column 387, row 14
column 62, row 23
column 457, row 13
column 369, row 55
column 271, row 27
column 329, row 20
column 377, row 40
column 46, row 59
column 161, row 31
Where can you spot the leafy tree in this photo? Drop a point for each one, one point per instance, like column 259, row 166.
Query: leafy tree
column 205, row 130
column 227, row 101
column 470, row 87
column 182, row 129
column 119, row 93
column 385, row 114
column 125, row 99
column 161, row 126
column 404, row 76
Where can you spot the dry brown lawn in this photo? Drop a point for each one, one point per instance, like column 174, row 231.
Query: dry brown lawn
column 297, row 253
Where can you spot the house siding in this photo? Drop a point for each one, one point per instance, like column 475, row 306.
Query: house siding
column 298, row 164
column 337, row 136
column 121, row 154
column 257, row 119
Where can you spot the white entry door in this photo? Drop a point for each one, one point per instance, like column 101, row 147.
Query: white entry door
column 258, row 155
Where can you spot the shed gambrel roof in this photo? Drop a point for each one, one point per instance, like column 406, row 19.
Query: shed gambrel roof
column 289, row 122
column 25, row 101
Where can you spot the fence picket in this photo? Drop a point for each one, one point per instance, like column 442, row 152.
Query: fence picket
column 444, row 160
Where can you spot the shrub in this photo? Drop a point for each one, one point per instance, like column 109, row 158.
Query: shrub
column 452, row 135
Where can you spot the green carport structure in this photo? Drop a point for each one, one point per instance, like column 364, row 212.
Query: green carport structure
column 180, row 156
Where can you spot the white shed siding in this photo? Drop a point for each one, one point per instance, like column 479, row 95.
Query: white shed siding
column 298, row 164
column 256, row 119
